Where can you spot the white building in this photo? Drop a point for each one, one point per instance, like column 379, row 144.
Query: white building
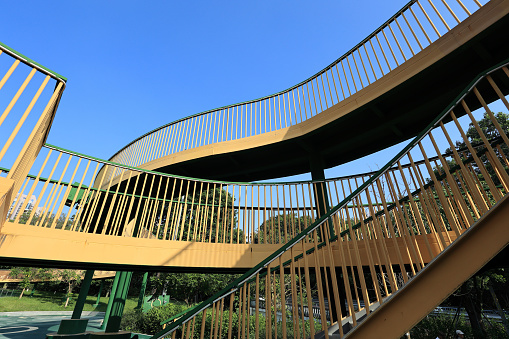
column 18, row 203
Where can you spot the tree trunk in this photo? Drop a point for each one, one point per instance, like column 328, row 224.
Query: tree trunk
column 23, row 290
column 473, row 307
column 69, row 290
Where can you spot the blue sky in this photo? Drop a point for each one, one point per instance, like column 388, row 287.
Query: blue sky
column 133, row 66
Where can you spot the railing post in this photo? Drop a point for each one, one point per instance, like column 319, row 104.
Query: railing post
column 99, row 294
column 119, row 297
column 317, row 167
column 142, row 291
column 82, row 297
column 110, row 300
column 6, row 187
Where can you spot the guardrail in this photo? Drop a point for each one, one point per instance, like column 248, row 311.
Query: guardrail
column 23, row 95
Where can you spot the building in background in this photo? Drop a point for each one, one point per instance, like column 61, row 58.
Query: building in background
column 18, row 203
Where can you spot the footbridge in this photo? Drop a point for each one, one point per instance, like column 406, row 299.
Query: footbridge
column 364, row 246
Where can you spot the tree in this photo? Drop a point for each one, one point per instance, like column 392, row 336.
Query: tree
column 23, row 219
column 491, row 133
column 189, row 287
column 29, row 274
column 71, row 278
column 281, row 228
column 207, row 217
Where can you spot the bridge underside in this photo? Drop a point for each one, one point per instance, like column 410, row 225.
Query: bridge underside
column 387, row 112
column 21, row 245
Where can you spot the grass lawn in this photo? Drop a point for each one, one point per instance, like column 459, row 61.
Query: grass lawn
column 47, row 301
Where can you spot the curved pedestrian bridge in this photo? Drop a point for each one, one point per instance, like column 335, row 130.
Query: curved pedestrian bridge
column 364, row 246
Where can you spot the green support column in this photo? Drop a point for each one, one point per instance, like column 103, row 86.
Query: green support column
column 99, row 295
column 142, row 291
column 76, row 325
column 317, row 166
column 117, row 309
column 82, row 297
column 110, row 300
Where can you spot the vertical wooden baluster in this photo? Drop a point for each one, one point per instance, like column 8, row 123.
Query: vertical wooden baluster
column 203, row 320
column 414, row 209
column 362, row 62
column 346, row 78
column 295, row 108
column 383, row 53
column 283, row 297
column 397, row 42
column 289, row 108
column 351, row 74
column 410, row 247
column 308, row 291
column 294, row 295
column 112, row 204
column 366, row 237
column 404, row 36
column 429, row 20
column 429, row 204
column 279, row 111
column 9, row 73
column 378, row 227
column 357, row 68
column 32, row 189
column 370, row 63
column 309, row 100
column 324, row 92
column 303, row 102
column 452, row 183
column 480, row 165
column 16, row 96
column 376, row 57
column 318, row 94
column 439, row 15
column 420, row 26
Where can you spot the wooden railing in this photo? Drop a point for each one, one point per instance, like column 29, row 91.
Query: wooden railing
column 378, row 238
column 417, row 25
column 64, row 192
column 22, row 96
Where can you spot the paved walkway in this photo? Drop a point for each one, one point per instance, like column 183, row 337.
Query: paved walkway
column 21, row 325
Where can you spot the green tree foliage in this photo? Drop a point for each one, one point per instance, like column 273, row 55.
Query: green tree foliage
column 48, row 220
column 491, row 133
column 30, row 274
column 281, row 228
column 71, row 278
column 189, row 287
column 205, row 217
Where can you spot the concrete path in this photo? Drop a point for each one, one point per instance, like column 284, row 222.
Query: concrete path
column 21, row 325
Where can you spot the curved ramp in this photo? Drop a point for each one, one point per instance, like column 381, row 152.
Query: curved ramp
column 379, row 93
